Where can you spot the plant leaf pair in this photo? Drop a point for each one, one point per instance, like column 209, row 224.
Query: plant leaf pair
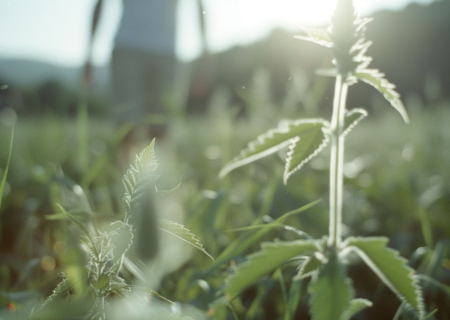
column 332, row 296
column 304, row 138
column 331, row 291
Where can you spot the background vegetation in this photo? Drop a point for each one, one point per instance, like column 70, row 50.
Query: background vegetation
column 397, row 184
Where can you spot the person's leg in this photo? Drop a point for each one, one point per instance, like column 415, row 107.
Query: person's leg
column 127, row 77
column 159, row 89
column 128, row 101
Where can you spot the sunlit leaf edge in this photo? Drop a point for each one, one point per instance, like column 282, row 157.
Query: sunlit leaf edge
column 356, row 305
column 352, row 244
column 249, row 154
column 376, row 79
column 350, row 125
column 288, row 171
column 137, row 177
column 181, row 232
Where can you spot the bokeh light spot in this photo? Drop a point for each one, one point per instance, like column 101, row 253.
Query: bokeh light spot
column 48, row 263
column 60, row 247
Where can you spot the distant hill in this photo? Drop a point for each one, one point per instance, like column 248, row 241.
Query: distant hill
column 411, row 46
column 29, row 73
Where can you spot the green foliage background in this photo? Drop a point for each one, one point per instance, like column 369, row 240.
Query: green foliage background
column 397, row 185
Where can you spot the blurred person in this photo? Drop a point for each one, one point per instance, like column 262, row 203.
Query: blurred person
column 144, row 64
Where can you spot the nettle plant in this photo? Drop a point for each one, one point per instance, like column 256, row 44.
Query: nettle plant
column 331, row 293
column 108, row 248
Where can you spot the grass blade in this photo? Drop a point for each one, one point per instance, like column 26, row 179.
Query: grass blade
column 271, row 256
column 5, row 173
column 445, row 288
column 295, row 294
column 182, row 233
column 242, row 243
column 356, row 305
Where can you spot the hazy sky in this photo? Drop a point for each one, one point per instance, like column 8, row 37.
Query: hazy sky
column 57, row 31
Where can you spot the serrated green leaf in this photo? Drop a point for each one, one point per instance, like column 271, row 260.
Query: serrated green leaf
column 306, row 146
column 182, row 233
column 271, row 256
column 352, row 117
column 331, row 292
column 121, row 236
column 356, row 305
column 62, row 289
column 319, row 36
column 376, row 79
column 139, row 179
column 311, row 132
column 391, row 268
column 308, row 267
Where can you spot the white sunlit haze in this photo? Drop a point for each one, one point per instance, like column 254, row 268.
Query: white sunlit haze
column 57, row 31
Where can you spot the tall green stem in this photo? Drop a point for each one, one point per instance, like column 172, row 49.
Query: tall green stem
column 337, row 162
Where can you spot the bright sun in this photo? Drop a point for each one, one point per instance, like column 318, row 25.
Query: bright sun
column 309, row 12
column 295, row 13
column 243, row 21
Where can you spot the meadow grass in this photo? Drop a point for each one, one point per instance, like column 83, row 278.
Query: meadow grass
column 378, row 167
column 64, row 182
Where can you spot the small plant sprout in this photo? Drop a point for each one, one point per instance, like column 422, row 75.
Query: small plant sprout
column 332, row 295
column 107, row 248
